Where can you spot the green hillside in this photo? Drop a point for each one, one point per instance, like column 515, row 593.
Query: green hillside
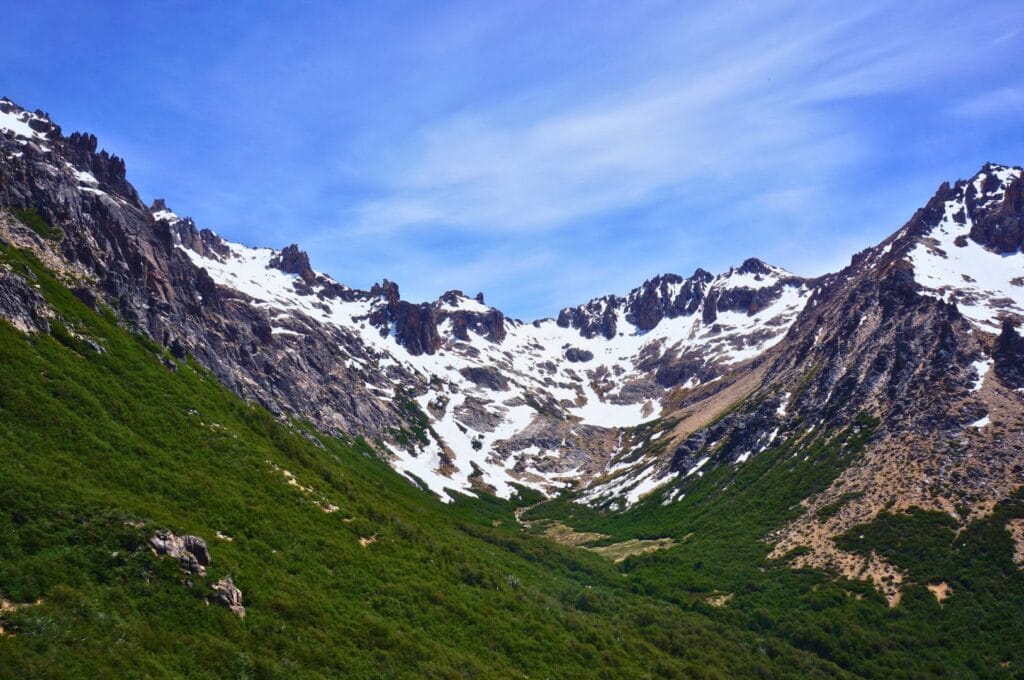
column 104, row 439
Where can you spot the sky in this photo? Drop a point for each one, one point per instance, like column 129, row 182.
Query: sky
column 543, row 153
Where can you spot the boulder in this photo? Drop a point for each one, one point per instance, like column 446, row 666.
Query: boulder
column 577, row 355
column 227, row 594
column 191, row 551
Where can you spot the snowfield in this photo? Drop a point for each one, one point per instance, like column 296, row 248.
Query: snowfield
column 983, row 283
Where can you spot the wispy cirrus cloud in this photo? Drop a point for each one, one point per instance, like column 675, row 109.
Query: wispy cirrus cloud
column 755, row 100
column 1003, row 101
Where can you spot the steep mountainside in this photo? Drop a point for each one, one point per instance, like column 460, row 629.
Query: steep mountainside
column 461, row 396
column 919, row 333
column 138, row 493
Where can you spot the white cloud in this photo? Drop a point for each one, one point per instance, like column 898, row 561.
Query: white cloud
column 751, row 102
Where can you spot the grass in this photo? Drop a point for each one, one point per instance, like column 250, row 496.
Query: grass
column 720, row 527
column 34, row 221
column 100, row 448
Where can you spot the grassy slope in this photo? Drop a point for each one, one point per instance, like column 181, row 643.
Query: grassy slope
column 101, row 448
column 721, row 524
column 94, row 443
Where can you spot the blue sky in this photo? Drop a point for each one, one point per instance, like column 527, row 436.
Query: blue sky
column 544, row 153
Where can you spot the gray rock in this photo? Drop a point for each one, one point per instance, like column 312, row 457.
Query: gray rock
column 227, row 594
column 191, row 551
column 197, row 547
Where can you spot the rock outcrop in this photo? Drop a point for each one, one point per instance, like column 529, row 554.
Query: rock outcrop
column 191, row 551
column 227, row 594
column 1008, row 356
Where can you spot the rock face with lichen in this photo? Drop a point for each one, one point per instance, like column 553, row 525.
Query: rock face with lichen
column 191, row 552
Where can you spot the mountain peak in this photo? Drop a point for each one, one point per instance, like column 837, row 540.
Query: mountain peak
column 161, row 212
column 291, row 260
column 752, row 265
column 965, row 245
column 26, row 125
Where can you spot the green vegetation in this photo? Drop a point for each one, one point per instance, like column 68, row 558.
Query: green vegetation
column 34, row 221
column 417, row 419
column 103, row 443
column 720, row 526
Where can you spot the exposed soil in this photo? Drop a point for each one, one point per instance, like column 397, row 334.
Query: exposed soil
column 1016, row 529
column 617, row 552
column 941, row 591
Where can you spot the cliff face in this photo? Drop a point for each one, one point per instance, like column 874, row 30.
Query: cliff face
column 133, row 260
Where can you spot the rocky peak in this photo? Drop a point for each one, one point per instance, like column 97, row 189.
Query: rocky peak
column 964, row 246
column 291, row 260
column 995, row 202
column 201, row 241
column 594, row 318
column 749, row 288
column 21, row 123
column 469, row 314
column 668, row 295
column 161, row 212
column 35, row 141
column 388, row 290
column 754, row 266
column 452, row 297
column 413, row 325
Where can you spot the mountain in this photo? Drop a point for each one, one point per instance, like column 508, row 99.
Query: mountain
column 827, row 470
column 463, row 397
column 916, row 333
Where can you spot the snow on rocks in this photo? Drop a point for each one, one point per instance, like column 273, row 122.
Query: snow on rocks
column 981, row 368
column 949, row 264
column 494, row 401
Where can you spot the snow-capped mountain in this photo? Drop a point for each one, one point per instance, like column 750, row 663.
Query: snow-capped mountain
column 508, row 401
column 626, row 398
column 972, row 256
column 919, row 335
column 461, row 396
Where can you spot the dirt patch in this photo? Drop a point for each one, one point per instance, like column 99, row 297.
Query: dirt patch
column 367, row 540
column 556, row 531
column 617, row 552
column 941, row 591
column 1016, row 529
column 719, row 599
column 6, row 606
column 560, row 533
column 896, row 474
